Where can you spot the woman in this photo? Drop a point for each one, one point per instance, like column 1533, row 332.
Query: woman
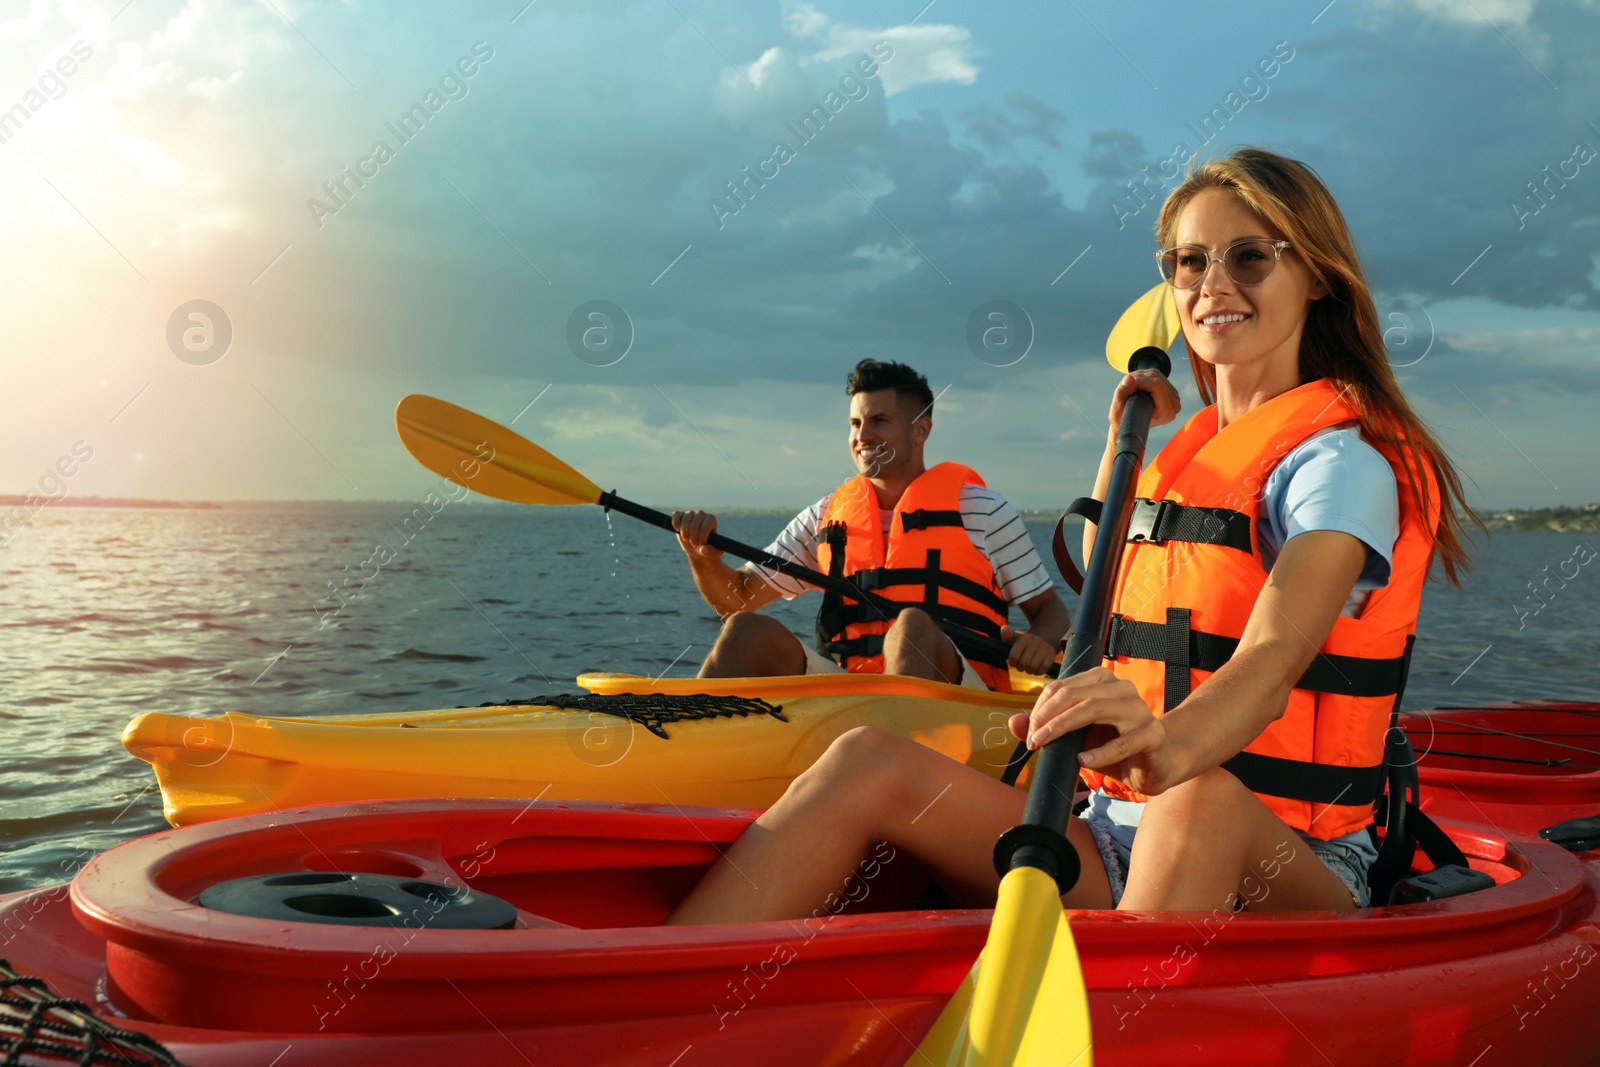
column 1301, row 511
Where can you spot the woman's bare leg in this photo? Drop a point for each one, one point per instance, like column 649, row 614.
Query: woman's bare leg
column 1209, row 842
column 873, row 786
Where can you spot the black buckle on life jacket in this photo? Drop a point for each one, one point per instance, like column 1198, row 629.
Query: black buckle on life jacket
column 1145, row 519
column 925, row 518
column 1113, row 636
column 1160, row 521
column 870, row 578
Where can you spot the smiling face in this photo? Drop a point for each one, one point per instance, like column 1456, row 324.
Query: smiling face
column 885, row 435
column 1230, row 325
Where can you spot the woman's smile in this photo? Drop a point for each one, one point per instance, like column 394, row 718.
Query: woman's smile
column 1221, row 321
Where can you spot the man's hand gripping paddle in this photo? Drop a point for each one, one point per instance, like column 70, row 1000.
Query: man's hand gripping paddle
column 1024, row 1002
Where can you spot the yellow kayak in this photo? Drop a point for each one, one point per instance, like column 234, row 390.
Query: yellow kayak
column 734, row 742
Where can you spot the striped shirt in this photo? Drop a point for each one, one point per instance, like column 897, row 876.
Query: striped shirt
column 993, row 525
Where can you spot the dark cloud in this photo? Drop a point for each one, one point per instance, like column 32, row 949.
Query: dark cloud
column 1437, row 129
column 1114, row 155
column 998, row 132
column 808, row 276
column 1527, row 362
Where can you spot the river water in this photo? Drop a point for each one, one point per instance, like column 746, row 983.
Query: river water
column 109, row 612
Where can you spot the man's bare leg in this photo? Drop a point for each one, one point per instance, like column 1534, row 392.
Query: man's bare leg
column 916, row 646
column 754, row 646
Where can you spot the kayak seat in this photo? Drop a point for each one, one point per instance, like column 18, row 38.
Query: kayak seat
column 1405, row 828
column 359, row 899
column 1399, row 812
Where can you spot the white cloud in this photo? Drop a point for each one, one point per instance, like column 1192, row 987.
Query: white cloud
column 213, row 87
column 599, row 171
column 923, row 55
column 786, row 81
column 1547, row 343
column 786, row 88
column 803, row 20
column 1504, row 13
column 1515, row 19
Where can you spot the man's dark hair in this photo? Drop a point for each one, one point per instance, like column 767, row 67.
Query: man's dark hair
column 870, row 375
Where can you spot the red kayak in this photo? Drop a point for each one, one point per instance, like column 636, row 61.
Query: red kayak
column 503, row 932
column 1523, row 765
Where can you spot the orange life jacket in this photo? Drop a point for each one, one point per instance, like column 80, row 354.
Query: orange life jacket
column 929, row 563
column 1189, row 579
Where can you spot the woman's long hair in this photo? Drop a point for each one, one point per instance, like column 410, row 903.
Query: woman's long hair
column 1342, row 340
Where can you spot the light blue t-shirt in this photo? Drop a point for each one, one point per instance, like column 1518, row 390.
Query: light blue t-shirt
column 1333, row 480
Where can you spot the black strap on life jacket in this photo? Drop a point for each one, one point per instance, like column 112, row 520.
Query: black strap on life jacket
column 843, row 649
column 932, row 578
column 1175, row 686
column 1089, row 508
column 1351, row 676
column 834, row 534
column 1317, row 783
column 836, row 613
column 1155, row 522
column 1158, row 521
column 1182, row 649
column 923, row 518
column 1321, row 783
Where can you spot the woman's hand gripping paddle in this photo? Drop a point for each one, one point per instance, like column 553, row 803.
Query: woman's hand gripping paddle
column 1024, row 1001
column 486, row 457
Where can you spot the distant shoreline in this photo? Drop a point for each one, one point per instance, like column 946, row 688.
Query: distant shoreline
column 1584, row 518
column 1561, row 518
column 1564, row 518
column 33, row 499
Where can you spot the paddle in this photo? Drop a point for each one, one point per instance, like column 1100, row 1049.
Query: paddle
column 1024, row 1001
column 1151, row 320
column 495, row 461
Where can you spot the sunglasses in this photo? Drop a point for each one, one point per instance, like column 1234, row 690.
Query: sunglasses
column 1248, row 262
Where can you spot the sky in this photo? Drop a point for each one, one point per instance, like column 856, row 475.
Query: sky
column 237, row 234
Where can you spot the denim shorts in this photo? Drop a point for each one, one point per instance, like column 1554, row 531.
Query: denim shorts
column 1342, row 860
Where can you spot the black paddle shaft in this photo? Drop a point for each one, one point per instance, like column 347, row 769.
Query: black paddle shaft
column 1038, row 841
column 965, row 640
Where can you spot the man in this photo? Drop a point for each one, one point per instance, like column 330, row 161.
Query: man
column 936, row 540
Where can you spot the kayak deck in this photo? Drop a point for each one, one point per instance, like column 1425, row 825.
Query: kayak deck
column 689, row 741
column 1435, row 982
column 1521, row 765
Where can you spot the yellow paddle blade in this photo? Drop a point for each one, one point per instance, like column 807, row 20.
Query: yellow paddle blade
column 1151, row 320
column 485, row 456
column 1024, row 1003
